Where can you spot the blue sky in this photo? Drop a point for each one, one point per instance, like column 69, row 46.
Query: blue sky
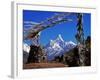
column 66, row 29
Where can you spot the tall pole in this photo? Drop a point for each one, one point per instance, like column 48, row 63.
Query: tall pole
column 80, row 39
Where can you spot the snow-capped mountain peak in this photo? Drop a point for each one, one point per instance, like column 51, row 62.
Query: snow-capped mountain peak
column 58, row 47
column 59, row 37
column 70, row 42
column 26, row 47
column 57, row 40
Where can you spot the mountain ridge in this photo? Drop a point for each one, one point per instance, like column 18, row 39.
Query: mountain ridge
column 58, row 47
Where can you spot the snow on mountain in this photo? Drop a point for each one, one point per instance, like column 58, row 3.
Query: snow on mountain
column 70, row 42
column 57, row 47
column 26, row 48
column 60, row 38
